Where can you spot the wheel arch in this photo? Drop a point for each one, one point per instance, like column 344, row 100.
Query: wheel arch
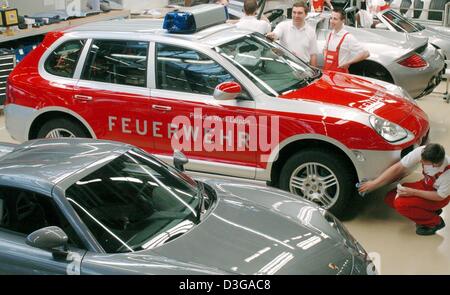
column 294, row 144
column 52, row 113
column 356, row 69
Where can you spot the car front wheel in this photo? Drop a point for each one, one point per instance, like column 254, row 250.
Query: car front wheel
column 61, row 128
column 321, row 177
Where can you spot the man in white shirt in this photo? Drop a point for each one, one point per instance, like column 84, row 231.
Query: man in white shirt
column 296, row 35
column 420, row 201
column 341, row 48
column 250, row 22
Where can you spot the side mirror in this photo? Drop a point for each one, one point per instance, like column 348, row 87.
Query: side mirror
column 49, row 238
column 227, row 91
column 381, row 26
column 179, row 160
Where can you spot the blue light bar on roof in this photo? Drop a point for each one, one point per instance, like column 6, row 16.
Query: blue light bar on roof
column 193, row 19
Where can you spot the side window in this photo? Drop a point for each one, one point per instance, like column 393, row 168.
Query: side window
column 186, row 70
column 117, row 62
column 63, row 60
column 24, row 212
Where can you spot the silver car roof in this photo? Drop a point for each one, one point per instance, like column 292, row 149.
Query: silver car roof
column 211, row 36
column 38, row 165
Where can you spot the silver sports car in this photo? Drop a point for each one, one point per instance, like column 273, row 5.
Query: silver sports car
column 83, row 206
column 405, row 60
column 392, row 20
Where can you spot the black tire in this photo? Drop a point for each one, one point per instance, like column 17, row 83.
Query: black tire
column 343, row 175
column 67, row 127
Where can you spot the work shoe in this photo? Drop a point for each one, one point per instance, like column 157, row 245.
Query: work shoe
column 428, row 231
column 437, row 212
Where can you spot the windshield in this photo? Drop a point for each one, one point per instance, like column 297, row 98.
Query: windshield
column 135, row 202
column 400, row 23
column 272, row 68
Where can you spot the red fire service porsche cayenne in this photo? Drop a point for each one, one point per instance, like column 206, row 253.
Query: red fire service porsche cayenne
column 234, row 102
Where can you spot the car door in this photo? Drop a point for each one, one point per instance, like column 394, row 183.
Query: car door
column 112, row 91
column 183, row 102
column 21, row 213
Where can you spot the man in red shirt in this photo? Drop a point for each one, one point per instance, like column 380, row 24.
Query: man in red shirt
column 341, row 48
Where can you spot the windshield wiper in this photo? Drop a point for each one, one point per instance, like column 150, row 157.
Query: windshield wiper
column 317, row 75
column 303, row 81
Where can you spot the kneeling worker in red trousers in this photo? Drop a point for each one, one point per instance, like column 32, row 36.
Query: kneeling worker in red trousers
column 420, row 201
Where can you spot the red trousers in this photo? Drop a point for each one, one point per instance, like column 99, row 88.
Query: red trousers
column 419, row 210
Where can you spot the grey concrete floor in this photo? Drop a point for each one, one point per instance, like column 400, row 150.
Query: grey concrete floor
column 388, row 237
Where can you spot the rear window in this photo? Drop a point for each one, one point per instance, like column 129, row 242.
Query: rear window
column 117, row 62
column 63, row 60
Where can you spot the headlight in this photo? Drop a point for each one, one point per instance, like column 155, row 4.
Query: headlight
column 389, row 131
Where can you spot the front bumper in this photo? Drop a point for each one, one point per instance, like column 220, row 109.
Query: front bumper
column 370, row 164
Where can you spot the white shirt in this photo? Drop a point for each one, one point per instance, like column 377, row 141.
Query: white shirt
column 253, row 24
column 366, row 18
column 349, row 48
column 302, row 42
column 442, row 184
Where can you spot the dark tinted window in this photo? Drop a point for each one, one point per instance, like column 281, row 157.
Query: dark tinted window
column 24, row 212
column 63, row 61
column 400, row 23
column 186, row 70
column 117, row 62
column 135, row 202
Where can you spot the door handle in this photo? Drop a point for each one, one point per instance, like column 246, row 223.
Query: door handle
column 82, row 97
column 161, row 108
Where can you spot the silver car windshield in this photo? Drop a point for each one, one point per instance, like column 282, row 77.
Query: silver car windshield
column 401, row 23
column 271, row 67
column 135, row 202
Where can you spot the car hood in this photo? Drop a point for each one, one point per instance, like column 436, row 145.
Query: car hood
column 275, row 235
column 356, row 93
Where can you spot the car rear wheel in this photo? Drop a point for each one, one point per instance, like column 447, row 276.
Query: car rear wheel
column 59, row 128
column 321, row 177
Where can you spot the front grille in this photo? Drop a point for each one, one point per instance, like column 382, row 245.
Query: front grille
column 7, row 63
column 423, row 141
column 406, row 151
